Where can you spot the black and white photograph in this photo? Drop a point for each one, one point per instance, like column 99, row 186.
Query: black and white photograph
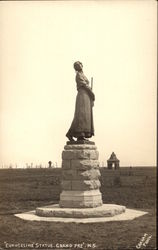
column 78, row 118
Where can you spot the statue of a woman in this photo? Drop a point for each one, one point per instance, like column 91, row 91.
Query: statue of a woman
column 82, row 125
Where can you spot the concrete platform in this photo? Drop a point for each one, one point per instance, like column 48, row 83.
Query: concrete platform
column 129, row 214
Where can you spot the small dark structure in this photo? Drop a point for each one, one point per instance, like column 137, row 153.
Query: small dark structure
column 49, row 164
column 113, row 161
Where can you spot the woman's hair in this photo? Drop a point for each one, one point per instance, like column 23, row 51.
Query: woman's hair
column 77, row 66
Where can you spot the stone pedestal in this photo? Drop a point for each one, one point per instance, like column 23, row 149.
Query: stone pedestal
column 80, row 176
column 80, row 197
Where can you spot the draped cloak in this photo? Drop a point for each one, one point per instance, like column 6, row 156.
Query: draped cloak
column 82, row 124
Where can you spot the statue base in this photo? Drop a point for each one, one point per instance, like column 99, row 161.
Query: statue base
column 80, row 176
column 80, row 199
column 80, row 142
column 106, row 210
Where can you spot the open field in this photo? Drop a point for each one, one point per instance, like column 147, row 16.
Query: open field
column 25, row 189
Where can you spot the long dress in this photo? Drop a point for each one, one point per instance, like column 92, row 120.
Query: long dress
column 82, row 124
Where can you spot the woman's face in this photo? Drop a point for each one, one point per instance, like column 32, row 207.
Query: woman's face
column 78, row 66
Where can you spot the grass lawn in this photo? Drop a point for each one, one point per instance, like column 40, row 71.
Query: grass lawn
column 24, row 190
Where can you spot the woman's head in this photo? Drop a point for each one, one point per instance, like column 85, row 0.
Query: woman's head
column 78, row 66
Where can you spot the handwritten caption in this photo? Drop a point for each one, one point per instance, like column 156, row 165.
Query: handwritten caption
column 144, row 241
column 36, row 245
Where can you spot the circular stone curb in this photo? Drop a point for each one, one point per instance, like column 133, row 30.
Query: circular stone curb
column 106, row 210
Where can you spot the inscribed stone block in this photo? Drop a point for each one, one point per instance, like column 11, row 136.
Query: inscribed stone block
column 66, row 164
column 69, row 174
column 66, row 185
column 85, row 185
column 92, row 174
column 84, row 164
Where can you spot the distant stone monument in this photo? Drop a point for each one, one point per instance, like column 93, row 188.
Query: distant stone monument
column 113, row 161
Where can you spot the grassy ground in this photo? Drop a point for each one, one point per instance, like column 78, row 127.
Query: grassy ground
column 24, row 190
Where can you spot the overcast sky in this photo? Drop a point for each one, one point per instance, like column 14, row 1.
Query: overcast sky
column 40, row 41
